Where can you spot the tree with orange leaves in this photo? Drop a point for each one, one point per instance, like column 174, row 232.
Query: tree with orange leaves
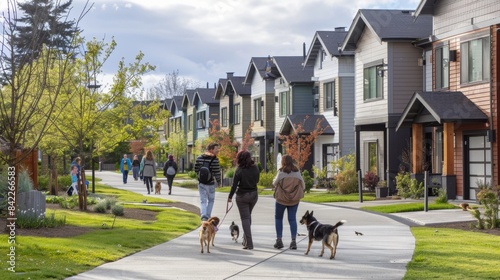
column 228, row 146
column 298, row 143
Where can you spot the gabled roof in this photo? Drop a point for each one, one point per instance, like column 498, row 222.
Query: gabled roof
column 220, row 90
column 257, row 66
column 438, row 107
column 327, row 40
column 425, row 8
column 176, row 103
column 388, row 25
column 291, row 69
column 236, row 82
column 166, row 104
column 308, row 123
column 188, row 98
column 206, row 96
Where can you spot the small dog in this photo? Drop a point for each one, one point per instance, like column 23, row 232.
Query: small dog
column 214, row 221
column 465, row 206
column 158, row 188
column 207, row 233
column 235, row 231
column 328, row 234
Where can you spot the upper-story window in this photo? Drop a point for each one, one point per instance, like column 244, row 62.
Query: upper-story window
column 190, row 123
column 201, row 119
column 329, row 97
column 373, row 81
column 257, row 109
column 284, row 103
column 223, row 117
column 443, row 67
column 237, row 113
column 475, row 60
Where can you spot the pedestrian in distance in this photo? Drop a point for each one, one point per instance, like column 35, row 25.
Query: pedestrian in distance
column 136, row 165
column 207, row 167
column 289, row 188
column 148, row 170
column 169, row 171
column 244, row 185
column 125, row 166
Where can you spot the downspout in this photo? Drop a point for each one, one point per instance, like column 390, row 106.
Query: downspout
column 492, row 137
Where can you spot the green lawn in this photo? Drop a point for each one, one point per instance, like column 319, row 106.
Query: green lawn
column 408, row 207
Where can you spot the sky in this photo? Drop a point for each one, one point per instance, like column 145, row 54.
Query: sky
column 205, row 39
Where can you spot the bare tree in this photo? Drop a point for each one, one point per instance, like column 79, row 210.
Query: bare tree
column 30, row 88
column 171, row 85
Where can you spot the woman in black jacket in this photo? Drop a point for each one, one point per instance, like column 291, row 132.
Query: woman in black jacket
column 168, row 173
column 245, row 182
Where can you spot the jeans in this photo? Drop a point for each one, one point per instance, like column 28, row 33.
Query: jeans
column 135, row 172
column 246, row 203
column 125, row 176
column 279, row 212
column 207, row 198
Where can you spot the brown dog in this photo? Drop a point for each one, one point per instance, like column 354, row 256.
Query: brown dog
column 328, row 234
column 158, row 188
column 207, row 233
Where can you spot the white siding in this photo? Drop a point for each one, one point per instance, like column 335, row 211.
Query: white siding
column 258, row 91
column 369, row 49
column 458, row 16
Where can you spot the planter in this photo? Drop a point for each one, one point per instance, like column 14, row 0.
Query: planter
column 381, row 192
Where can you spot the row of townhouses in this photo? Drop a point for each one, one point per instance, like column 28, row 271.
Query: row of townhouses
column 403, row 90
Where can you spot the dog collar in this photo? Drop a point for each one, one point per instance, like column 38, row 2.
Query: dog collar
column 216, row 228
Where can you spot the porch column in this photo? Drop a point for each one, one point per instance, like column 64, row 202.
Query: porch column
column 448, row 147
column 417, row 147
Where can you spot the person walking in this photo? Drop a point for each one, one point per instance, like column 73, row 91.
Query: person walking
column 125, row 166
column 244, row 185
column 148, row 170
column 170, row 170
column 207, row 188
column 136, row 165
column 289, row 188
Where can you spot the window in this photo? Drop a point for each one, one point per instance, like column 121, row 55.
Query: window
column 223, row 116
column 236, row 113
column 442, row 67
column 257, row 109
column 475, row 60
column 190, row 122
column 284, row 103
column 201, row 120
column 329, row 98
column 373, row 78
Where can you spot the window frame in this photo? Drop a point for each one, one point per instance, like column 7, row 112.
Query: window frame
column 190, row 122
column 375, row 69
column 442, row 67
column 467, row 58
column 223, row 114
column 236, row 111
column 329, row 91
column 257, row 109
column 284, row 103
column 201, row 116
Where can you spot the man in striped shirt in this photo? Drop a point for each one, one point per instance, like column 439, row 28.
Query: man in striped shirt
column 207, row 190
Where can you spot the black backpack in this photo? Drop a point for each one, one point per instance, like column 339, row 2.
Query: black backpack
column 204, row 173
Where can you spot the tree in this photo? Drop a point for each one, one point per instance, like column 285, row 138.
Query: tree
column 28, row 92
column 171, row 85
column 228, row 146
column 177, row 143
column 298, row 144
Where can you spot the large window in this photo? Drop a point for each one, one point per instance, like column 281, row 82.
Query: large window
column 223, row 116
column 201, row 120
column 475, row 60
column 284, row 103
column 257, row 109
column 443, row 67
column 237, row 113
column 373, row 79
column 329, row 98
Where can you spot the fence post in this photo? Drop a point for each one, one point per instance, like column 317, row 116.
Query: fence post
column 360, row 186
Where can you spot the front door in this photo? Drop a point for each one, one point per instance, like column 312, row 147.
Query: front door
column 477, row 164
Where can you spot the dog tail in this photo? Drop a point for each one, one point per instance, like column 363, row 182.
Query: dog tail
column 334, row 227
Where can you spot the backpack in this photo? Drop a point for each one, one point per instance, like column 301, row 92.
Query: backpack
column 170, row 170
column 204, row 173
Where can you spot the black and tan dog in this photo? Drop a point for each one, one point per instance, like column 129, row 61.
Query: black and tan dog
column 328, row 234
column 235, row 231
column 207, row 233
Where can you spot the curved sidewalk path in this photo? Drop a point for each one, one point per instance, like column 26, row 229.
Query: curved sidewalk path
column 382, row 252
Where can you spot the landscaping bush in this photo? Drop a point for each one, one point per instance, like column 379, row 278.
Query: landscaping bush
column 489, row 199
column 117, row 210
column 192, row 175
column 110, row 202
column 370, row 180
column 408, row 187
column 230, row 173
column 347, row 182
column 266, row 179
column 29, row 221
column 308, row 181
column 100, row 207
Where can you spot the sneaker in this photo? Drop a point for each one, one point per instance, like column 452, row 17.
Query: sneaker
column 278, row 244
column 293, row 245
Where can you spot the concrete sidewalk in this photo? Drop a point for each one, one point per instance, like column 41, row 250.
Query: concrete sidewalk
column 383, row 250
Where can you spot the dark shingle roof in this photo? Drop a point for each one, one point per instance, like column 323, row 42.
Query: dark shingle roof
column 188, row 98
column 291, row 69
column 397, row 25
column 207, row 95
column 220, row 90
column 308, row 123
column 441, row 107
column 329, row 40
column 239, row 88
column 177, row 102
column 257, row 65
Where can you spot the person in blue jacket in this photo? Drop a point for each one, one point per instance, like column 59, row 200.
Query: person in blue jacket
column 125, row 166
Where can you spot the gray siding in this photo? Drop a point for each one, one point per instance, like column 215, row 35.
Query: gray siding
column 346, row 116
column 302, row 100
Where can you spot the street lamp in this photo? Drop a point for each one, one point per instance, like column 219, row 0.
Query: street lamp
column 93, row 88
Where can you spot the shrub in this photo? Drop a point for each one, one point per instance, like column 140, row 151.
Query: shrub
column 347, row 182
column 230, row 173
column 307, row 180
column 110, row 202
column 69, row 202
column 100, row 207
column 266, row 179
column 370, row 180
column 489, row 199
column 441, row 196
column 29, row 221
column 408, row 187
column 117, row 210
column 192, row 175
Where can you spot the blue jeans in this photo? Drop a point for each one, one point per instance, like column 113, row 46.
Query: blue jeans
column 135, row 172
column 125, row 176
column 279, row 212
column 207, row 198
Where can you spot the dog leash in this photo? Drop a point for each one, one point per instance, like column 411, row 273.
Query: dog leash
column 229, row 205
